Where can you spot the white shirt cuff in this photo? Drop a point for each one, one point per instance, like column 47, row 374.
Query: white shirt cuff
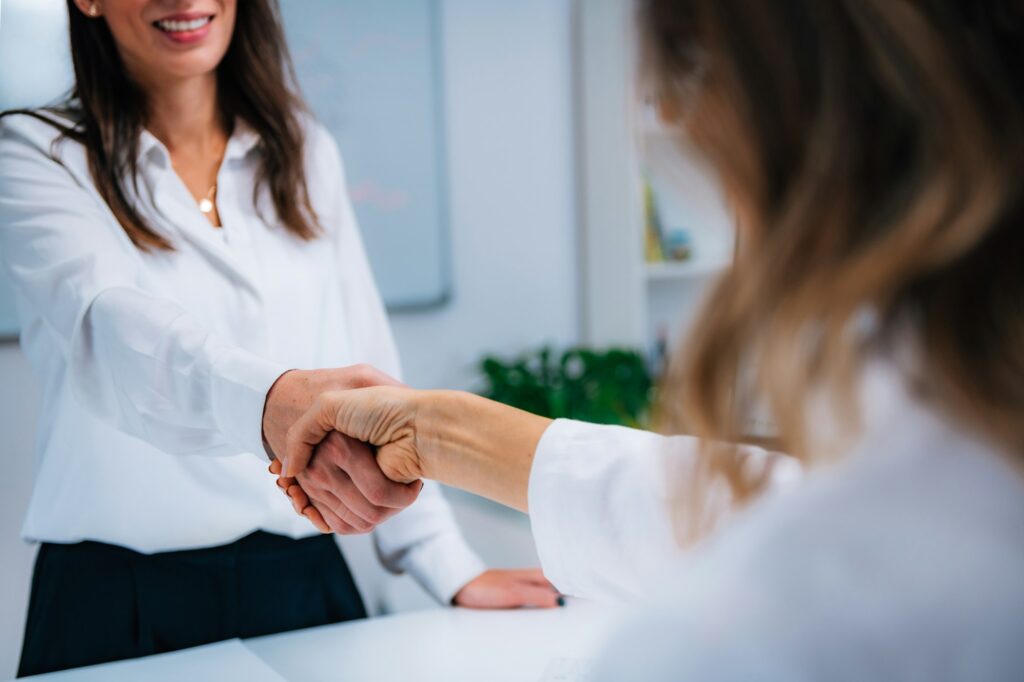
column 546, row 492
column 443, row 565
column 598, row 508
column 240, row 383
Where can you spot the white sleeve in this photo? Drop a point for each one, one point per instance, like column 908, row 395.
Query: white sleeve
column 602, row 501
column 137, row 361
column 423, row 540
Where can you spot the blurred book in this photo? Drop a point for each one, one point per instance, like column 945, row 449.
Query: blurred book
column 660, row 243
column 653, row 251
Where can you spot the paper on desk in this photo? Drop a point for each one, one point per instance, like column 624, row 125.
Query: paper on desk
column 230, row 660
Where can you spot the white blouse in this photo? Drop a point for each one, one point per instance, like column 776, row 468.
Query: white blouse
column 155, row 366
column 905, row 561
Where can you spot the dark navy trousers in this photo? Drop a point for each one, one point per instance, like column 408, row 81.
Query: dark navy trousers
column 94, row 603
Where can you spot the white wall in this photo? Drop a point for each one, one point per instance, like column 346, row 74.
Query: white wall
column 509, row 100
column 19, row 398
column 509, row 104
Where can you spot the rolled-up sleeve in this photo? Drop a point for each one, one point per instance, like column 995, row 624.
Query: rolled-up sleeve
column 136, row 360
column 603, row 500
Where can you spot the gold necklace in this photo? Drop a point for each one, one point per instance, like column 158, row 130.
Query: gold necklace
column 206, row 203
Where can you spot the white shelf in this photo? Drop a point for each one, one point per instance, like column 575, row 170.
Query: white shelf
column 692, row 269
column 623, row 147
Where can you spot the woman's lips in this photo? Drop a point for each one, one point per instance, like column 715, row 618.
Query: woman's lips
column 185, row 30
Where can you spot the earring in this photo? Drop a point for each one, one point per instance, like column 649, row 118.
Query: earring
column 94, row 11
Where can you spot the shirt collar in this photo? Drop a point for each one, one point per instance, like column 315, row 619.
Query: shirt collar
column 242, row 141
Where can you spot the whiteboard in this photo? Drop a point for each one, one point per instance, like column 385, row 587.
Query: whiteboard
column 371, row 71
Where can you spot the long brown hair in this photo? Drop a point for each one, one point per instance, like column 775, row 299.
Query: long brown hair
column 875, row 150
column 255, row 83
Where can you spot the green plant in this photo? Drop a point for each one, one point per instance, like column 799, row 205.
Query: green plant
column 611, row 386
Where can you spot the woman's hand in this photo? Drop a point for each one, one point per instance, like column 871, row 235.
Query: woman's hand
column 294, row 392
column 509, row 589
column 384, row 416
column 350, row 492
column 343, row 489
column 453, row 437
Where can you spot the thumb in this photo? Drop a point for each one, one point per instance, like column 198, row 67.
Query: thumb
column 308, row 431
column 398, row 463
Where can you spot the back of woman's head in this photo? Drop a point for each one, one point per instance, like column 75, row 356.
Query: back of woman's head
column 874, row 151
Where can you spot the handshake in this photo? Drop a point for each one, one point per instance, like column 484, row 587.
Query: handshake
column 351, row 446
column 319, row 425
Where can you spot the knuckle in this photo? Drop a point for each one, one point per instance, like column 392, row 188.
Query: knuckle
column 360, row 375
column 334, row 448
column 359, row 524
column 346, row 515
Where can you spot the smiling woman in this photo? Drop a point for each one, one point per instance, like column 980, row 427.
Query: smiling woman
column 121, row 64
column 185, row 28
column 179, row 237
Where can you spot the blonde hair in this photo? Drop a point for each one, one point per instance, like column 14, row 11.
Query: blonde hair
column 874, row 148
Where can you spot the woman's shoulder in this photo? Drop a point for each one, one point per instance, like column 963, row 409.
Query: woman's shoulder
column 40, row 139
column 325, row 170
column 910, row 550
column 320, row 145
column 864, row 572
column 39, row 128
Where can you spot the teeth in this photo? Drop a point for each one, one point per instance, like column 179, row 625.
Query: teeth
column 183, row 26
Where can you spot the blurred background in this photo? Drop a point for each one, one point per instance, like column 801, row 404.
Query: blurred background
column 539, row 235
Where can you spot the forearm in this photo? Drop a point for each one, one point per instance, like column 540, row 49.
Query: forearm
column 478, row 445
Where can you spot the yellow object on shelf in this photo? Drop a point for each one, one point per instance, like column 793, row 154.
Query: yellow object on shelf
column 653, row 252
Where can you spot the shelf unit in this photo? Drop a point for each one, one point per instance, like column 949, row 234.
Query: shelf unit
column 669, row 271
column 626, row 300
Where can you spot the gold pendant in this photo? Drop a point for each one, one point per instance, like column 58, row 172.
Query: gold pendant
column 205, row 205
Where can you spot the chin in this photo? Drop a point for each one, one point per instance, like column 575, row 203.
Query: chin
column 190, row 66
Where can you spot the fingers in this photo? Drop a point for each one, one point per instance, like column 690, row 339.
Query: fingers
column 301, row 505
column 503, row 592
column 533, row 576
column 508, row 589
column 317, row 519
column 353, row 473
column 340, row 491
column 528, row 594
column 299, row 498
column 325, row 517
column 366, row 475
column 336, row 523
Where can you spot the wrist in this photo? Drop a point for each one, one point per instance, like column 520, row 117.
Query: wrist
column 476, row 444
column 282, row 404
column 436, row 418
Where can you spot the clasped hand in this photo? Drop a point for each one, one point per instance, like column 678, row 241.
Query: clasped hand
column 338, row 482
column 342, row 489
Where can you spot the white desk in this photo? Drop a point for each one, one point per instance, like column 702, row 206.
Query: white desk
column 439, row 645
